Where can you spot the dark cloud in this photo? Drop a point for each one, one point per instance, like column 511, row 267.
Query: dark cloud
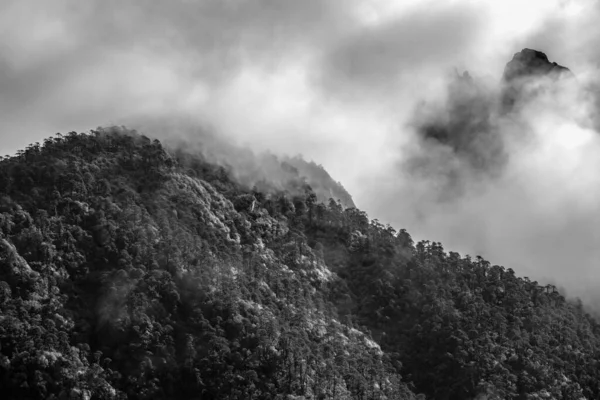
column 462, row 128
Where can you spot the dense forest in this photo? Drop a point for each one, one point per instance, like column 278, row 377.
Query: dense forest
column 133, row 270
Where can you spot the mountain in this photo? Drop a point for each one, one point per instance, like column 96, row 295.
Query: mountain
column 528, row 73
column 264, row 170
column 528, row 62
column 134, row 270
column 270, row 173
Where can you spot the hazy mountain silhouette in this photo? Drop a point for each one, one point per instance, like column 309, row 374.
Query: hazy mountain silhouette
column 529, row 69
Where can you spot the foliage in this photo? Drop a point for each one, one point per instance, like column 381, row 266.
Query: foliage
column 129, row 272
column 133, row 271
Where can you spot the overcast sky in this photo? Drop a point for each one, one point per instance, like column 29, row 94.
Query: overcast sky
column 337, row 81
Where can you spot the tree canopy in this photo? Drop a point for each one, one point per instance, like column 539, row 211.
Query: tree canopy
column 131, row 270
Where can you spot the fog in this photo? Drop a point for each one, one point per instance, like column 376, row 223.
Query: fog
column 352, row 85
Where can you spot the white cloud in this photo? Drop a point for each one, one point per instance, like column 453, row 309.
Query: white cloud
column 337, row 81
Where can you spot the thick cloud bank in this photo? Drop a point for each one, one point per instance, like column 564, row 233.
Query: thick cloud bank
column 367, row 88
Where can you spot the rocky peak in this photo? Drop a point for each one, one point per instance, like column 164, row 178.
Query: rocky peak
column 528, row 63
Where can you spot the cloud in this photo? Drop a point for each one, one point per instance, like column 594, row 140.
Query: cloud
column 375, row 58
column 571, row 32
column 340, row 82
column 68, row 64
column 458, row 138
column 538, row 213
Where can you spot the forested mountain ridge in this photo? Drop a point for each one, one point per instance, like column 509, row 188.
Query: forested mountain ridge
column 130, row 270
column 264, row 170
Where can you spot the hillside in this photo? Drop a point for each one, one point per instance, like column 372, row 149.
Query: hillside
column 263, row 170
column 134, row 270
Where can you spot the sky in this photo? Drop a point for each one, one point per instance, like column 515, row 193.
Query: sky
column 341, row 82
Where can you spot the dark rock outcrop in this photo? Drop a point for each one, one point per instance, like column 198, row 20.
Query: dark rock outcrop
column 530, row 63
column 529, row 66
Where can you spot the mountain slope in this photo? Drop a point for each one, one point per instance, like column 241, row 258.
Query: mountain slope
column 131, row 273
column 264, row 170
column 134, row 271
